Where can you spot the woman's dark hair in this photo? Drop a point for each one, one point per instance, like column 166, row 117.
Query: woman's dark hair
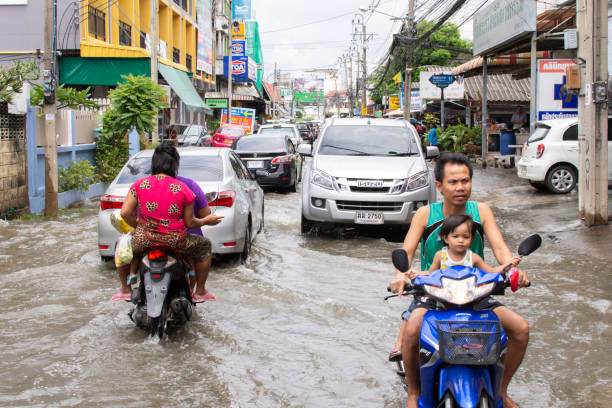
column 165, row 160
column 454, row 158
column 453, row 221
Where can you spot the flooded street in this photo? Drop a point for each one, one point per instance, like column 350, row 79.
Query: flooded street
column 304, row 324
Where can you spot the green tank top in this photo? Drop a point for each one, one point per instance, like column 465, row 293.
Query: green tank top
column 431, row 241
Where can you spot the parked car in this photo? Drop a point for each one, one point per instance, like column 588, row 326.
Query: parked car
column 195, row 135
column 366, row 171
column 272, row 159
column 174, row 130
column 229, row 187
column 550, row 158
column 282, row 129
column 226, row 134
column 305, row 131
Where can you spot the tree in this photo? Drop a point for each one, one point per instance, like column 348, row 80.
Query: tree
column 444, row 47
column 134, row 104
column 66, row 97
column 12, row 79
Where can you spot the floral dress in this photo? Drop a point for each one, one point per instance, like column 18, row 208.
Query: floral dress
column 161, row 201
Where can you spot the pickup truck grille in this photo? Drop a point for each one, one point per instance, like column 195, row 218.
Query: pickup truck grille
column 344, row 205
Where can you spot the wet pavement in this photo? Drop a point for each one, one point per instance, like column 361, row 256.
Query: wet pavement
column 302, row 325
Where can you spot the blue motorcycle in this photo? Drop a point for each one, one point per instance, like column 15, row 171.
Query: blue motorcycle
column 461, row 351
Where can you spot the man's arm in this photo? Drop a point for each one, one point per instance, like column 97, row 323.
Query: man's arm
column 417, row 226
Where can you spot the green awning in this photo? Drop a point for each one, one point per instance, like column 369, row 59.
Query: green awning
column 180, row 83
column 100, row 71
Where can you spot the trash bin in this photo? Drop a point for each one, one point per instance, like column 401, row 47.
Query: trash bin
column 506, row 139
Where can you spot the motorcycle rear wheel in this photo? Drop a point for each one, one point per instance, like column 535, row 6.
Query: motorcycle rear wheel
column 158, row 325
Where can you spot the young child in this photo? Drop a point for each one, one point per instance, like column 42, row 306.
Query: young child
column 458, row 232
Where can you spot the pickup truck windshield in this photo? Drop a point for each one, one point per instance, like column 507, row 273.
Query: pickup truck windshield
column 366, row 140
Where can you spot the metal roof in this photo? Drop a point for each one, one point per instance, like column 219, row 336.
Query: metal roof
column 501, row 88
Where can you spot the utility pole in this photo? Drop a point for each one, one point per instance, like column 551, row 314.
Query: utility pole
column 154, row 45
column 593, row 111
column 274, row 94
column 409, row 49
column 49, row 111
column 351, row 110
column 365, row 66
column 230, row 69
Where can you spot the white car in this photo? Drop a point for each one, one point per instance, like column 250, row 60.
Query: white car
column 230, row 189
column 282, row 129
column 551, row 157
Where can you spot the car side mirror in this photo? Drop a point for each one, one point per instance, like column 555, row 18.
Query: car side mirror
column 305, row 149
column 432, row 152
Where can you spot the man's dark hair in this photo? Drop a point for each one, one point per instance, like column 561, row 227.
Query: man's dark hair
column 453, row 221
column 165, row 160
column 453, row 158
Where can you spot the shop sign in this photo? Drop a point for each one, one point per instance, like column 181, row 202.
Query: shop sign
column 442, row 80
column 238, row 48
column 430, row 91
column 394, row 102
column 216, row 103
column 243, row 117
column 241, row 10
column 553, row 100
column 238, row 32
column 244, row 69
column 501, row 22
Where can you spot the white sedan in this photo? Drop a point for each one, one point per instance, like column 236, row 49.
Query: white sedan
column 231, row 191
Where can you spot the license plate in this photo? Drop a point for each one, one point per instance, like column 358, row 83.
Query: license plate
column 369, row 217
column 370, row 183
column 230, row 141
column 255, row 164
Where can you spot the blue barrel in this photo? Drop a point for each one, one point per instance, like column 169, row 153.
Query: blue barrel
column 506, row 139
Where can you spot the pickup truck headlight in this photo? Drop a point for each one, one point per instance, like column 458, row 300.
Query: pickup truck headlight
column 322, row 179
column 417, row 181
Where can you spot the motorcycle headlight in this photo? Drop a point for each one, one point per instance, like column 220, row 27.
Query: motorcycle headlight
column 417, row 181
column 459, row 292
column 322, row 179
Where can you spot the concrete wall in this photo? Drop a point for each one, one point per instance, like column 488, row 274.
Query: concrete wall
column 13, row 180
column 72, row 127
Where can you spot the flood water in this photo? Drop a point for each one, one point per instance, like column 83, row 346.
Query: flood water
column 303, row 325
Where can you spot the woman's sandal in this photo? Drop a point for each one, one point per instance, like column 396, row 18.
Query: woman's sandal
column 121, row 296
column 207, row 297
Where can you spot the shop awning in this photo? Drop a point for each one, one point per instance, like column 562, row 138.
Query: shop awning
column 180, row 83
column 100, row 71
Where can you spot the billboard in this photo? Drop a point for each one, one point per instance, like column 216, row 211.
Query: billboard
column 238, row 31
column 394, row 102
column 553, row 101
column 241, row 10
column 308, row 97
column 502, row 22
column 244, row 69
column 204, row 54
column 243, row 117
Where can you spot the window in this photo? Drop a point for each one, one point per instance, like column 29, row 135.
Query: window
column 143, row 39
column 571, row 134
column 176, row 55
column 125, row 34
column 237, row 167
column 97, row 22
column 188, row 61
column 290, row 147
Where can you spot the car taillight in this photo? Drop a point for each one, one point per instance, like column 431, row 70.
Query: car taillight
column 224, row 199
column 281, row 160
column 109, row 202
column 157, row 255
column 540, row 151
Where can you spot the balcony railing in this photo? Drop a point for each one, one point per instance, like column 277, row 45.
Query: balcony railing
column 125, row 34
column 188, row 61
column 143, row 39
column 176, row 55
column 96, row 22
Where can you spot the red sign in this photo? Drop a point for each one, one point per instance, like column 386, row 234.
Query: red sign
column 555, row 65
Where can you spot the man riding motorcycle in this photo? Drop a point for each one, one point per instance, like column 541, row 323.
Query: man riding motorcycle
column 453, row 174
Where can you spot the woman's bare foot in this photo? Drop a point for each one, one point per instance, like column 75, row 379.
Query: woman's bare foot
column 413, row 401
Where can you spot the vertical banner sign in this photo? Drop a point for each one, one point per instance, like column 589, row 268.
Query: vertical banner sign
column 204, row 60
column 239, row 48
column 553, row 99
column 241, row 10
column 238, row 32
column 243, row 117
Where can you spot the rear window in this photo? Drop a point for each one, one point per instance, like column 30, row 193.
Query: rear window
column 261, row 144
column 194, row 130
column 198, row 168
column 367, row 140
column 277, row 131
column 231, row 131
column 539, row 133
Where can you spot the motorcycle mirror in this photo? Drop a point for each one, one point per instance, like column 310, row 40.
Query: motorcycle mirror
column 400, row 259
column 529, row 244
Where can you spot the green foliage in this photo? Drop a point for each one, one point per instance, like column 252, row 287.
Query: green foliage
column 299, row 114
column 455, row 137
column 429, row 53
column 212, row 124
column 66, row 98
column 12, row 79
column 429, row 118
column 134, row 103
column 475, row 135
column 76, row 176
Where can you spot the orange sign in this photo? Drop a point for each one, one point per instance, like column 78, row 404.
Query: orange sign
column 238, row 31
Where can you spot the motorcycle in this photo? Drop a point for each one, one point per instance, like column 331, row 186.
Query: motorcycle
column 461, row 351
column 161, row 293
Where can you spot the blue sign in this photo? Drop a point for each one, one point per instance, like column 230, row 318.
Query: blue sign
column 238, row 48
column 244, row 69
column 241, row 9
column 442, row 80
column 568, row 100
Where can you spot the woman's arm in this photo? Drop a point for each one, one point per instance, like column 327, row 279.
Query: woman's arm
column 190, row 220
column 128, row 210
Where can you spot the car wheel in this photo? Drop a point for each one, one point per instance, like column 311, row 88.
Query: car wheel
column 306, row 226
column 261, row 224
column 537, row 185
column 561, row 179
column 246, row 251
column 293, row 187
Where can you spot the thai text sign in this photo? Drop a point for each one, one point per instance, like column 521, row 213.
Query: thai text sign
column 501, row 22
column 442, row 80
column 216, row 103
column 394, row 102
column 309, row 97
column 553, row 101
column 431, row 91
column 243, row 117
